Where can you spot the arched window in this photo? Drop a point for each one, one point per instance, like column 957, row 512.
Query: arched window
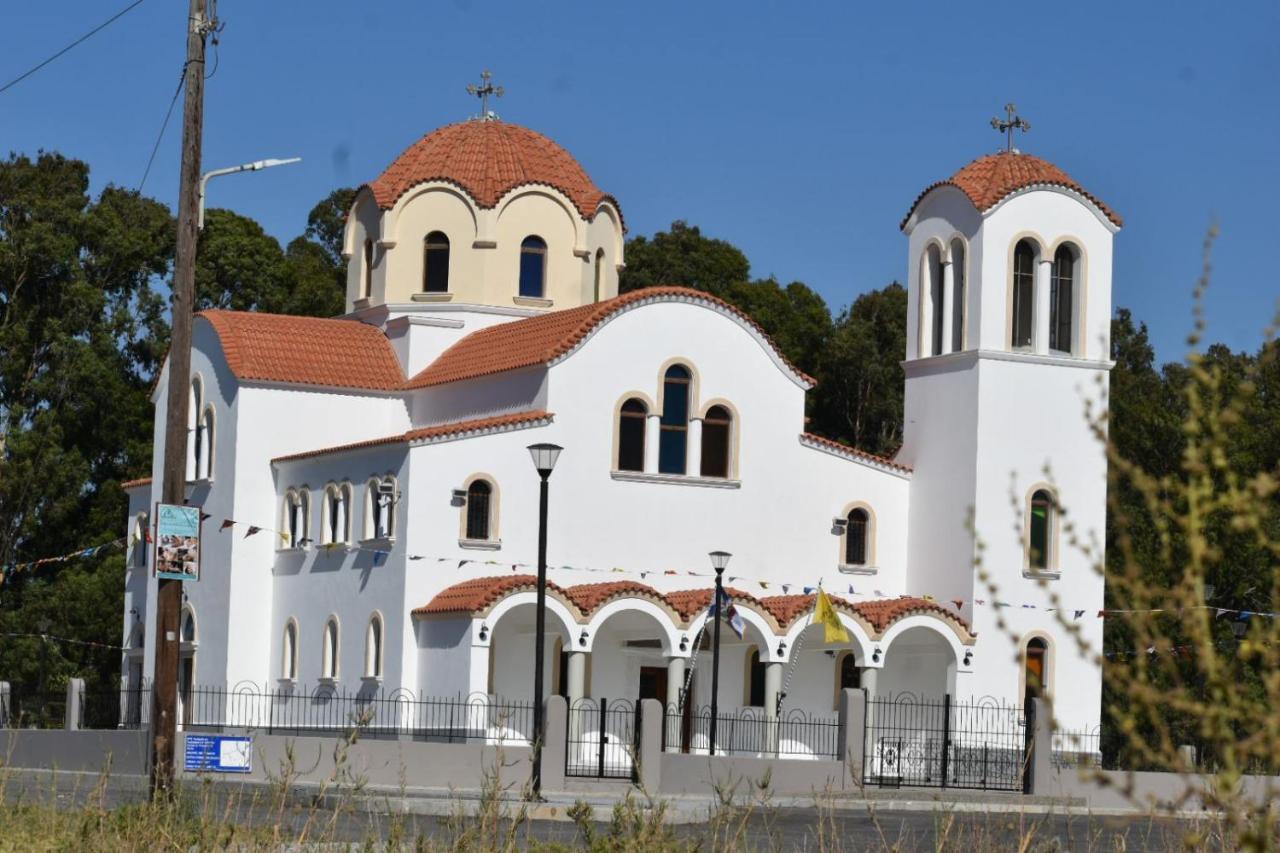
column 673, row 433
column 329, row 651
column 1040, row 531
column 1061, row 299
column 1024, row 289
column 1035, row 662
column 337, row 514
column 754, row 680
column 140, row 540
column 632, row 421
column 957, row 296
column 204, row 462
column 297, row 518
column 937, row 295
column 373, row 647
column 717, row 431
column 857, row 537
column 187, row 631
column 479, row 506
column 598, row 289
column 195, row 433
column 366, row 287
column 289, row 651
column 533, row 267
column 435, row 263
column 380, row 508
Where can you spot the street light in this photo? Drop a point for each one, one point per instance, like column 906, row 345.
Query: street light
column 256, row 165
column 544, row 459
column 719, row 559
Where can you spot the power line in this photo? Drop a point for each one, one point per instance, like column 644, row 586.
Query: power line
column 95, row 30
column 167, row 113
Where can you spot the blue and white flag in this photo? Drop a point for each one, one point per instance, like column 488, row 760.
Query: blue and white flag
column 731, row 614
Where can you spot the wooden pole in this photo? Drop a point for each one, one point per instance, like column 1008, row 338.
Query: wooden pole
column 169, row 592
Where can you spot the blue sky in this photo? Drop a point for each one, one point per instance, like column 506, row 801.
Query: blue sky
column 800, row 132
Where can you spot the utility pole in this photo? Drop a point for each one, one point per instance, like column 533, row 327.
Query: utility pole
column 169, row 592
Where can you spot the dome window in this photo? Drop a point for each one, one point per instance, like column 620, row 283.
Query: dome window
column 1024, row 288
column 533, row 267
column 1062, row 299
column 435, row 263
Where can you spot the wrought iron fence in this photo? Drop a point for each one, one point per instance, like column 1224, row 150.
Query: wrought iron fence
column 602, row 739
column 918, row 741
column 748, row 731
column 1077, row 747
column 34, row 709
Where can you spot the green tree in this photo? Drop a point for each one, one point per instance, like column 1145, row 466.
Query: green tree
column 683, row 256
column 860, row 383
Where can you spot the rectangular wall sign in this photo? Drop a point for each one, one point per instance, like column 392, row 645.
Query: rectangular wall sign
column 218, row 754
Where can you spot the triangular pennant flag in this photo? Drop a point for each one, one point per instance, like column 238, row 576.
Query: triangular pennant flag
column 852, row 591
column 763, row 584
column 204, row 516
column 252, row 530
column 810, row 590
column 462, row 563
column 786, row 587
column 379, row 557
column 669, row 572
column 1077, row 614
column 1102, row 613
column 284, row 537
column 415, row 556
column 644, row 575
column 226, row 522
column 880, row 593
column 928, row 598
column 959, row 603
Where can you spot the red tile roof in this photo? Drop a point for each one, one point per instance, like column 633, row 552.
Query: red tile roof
column 306, row 350
column 852, row 452
column 456, row 428
column 477, row 595
column 543, row 339
column 990, row 179
column 488, row 159
column 134, row 484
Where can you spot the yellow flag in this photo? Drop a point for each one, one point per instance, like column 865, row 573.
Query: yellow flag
column 826, row 616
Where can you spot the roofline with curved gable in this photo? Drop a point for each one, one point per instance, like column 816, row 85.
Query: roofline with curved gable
column 1109, row 219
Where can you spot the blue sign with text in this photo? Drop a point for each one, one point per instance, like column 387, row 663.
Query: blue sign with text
column 218, row 754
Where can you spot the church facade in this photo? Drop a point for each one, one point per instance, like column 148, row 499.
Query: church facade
column 371, row 510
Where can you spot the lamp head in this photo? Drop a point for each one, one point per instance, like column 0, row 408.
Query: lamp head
column 544, row 457
column 719, row 559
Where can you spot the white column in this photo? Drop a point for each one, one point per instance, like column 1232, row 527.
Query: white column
column 693, row 464
column 868, row 681
column 576, row 679
column 772, row 687
column 651, row 425
column 948, row 306
column 1040, row 338
column 672, row 712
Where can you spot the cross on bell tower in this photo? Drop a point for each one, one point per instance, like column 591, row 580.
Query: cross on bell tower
column 483, row 91
column 1011, row 122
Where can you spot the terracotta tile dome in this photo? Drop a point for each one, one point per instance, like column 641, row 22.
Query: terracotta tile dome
column 988, row 180
column 488, row 159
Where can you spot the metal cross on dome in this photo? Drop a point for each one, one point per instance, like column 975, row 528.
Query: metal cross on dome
column 1011, row 122
column 483, row 91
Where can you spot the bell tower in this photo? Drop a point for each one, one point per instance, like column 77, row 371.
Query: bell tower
column 1009, row 301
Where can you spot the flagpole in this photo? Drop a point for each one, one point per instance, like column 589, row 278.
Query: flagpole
column 719, row 559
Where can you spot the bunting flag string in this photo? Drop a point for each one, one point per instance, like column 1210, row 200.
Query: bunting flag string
column 57, row 639
column 381, row 553
column 13, row 568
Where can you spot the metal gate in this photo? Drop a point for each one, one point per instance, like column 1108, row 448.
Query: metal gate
column 938, row 743
column 602, row 739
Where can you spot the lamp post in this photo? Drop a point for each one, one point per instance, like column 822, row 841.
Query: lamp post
column 544, row 459
column 255, row 166
column 719, row 559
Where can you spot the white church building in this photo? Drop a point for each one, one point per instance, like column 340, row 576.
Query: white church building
column 371, row 509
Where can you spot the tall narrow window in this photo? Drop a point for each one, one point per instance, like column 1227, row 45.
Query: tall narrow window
column 204, row 464
column 632, row 421
column 195, row 432
column 140, row 541
column 673, row 433
column 329, row 653
column 1040, row 531
column 292, row 519
column 957, row 295
column 367, row 282
column 479, row 495
column 755, row 679
column 435, row 263
column 1035, row 656
column 373, row 647
column 289, row 651
column 381, row 505
column 717, row 429
column 856, row 537
column 337, row 510
column 1061, row 301
column 1024, row 288
column 937, row 295
column 533, row 267
column 598, row 290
